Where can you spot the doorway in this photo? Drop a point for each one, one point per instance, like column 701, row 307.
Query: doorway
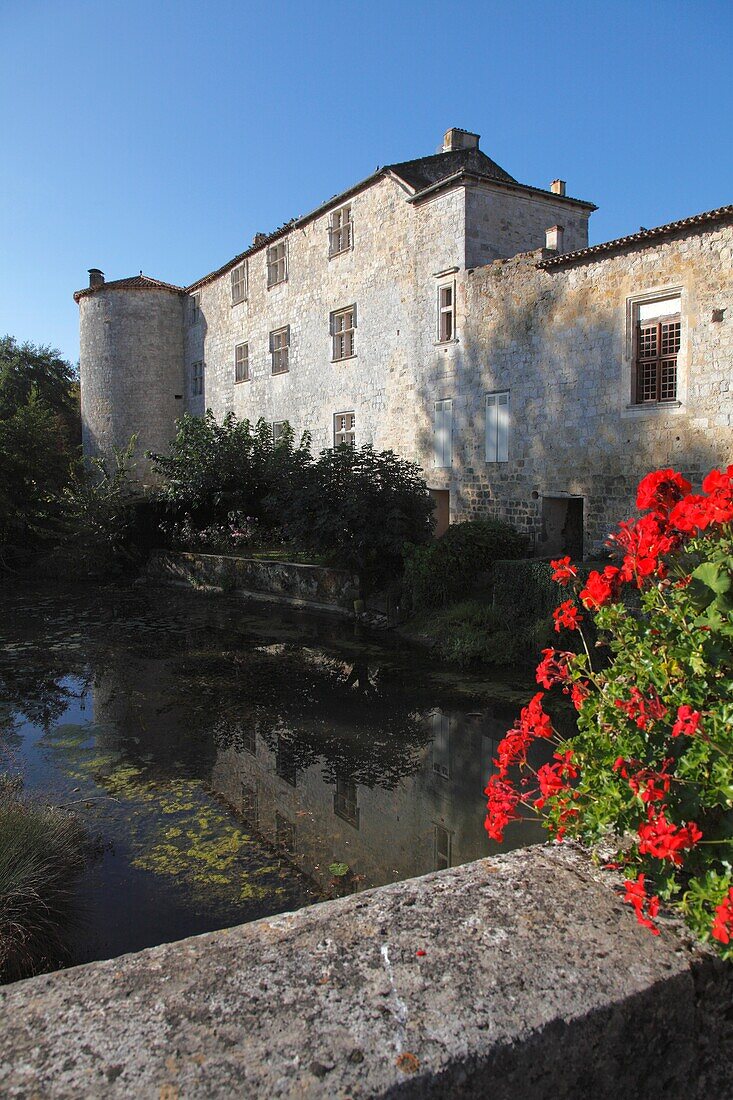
column 562, row 528
column 441, row 515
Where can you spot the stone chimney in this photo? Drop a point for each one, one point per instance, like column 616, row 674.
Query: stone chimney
column 459, row 139
column 553, row 238
column 558, row 187
column 96, row 277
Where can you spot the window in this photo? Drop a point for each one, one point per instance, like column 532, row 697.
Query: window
column 442, row 849
column 446, row 312
column 249, row 805
column 239, row 283
column 657, row 345
column 284, row 835
column 343, row 323
column 249, row 739
column 497, row 427
column 280, row 349
column 441, row 743
column 197, row 379
column 277, row 269
column 339, row 231
column 195, row 308
column 241, row 363
column 278, row 429
column 285, row 762
column 344, row 429
column 344, row 801
column 443, row 434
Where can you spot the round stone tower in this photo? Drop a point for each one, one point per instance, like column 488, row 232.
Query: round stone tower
column 131, row 365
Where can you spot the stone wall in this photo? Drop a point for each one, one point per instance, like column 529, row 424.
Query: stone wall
column 131, row 365
column 312, row 584
column 560, row 341
column 519, row 977
column 501, row 222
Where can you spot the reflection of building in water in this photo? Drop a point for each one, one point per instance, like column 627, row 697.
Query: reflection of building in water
column 433, row 818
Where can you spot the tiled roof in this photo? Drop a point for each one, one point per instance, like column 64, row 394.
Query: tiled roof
column 425, row 171
column 135, row 282
column 640, row 238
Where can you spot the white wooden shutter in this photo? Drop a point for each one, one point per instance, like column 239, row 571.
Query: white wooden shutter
column 502, row 427
column 491, row 421
column 442, row 441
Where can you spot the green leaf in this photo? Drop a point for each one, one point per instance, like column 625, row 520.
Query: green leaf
column 338, row 870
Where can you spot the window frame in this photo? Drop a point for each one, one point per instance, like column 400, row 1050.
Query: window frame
column 336, row 232
column 274, row 264
column 351, row 431
column 630, row 408
column 445, row 312
column 442, row 852
column 659, row 360
column 347, row 336
column 346, row 801
column 443, row 465
column 196, row 307
column 496, row 449
column 237, row 363
column 241, row 283
column 280, row 349
column 197, row 378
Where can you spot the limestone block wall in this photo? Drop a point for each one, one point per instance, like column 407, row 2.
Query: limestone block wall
column 502, row 222
column 395, row 247
column 560, row 341
column 131, row 364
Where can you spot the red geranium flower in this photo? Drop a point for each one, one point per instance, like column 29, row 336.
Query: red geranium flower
column 553, row 668
column 567, row 615
column 723, row 923
column 563, row 570
column 637, row 897
column 660, row 491
column 688, row 721
column 600, row 588
column 644, row 709
column 664, row 840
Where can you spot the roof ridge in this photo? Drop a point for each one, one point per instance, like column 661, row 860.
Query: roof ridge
column 642, row 235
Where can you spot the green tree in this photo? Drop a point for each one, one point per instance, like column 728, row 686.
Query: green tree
column 27, row 369
column 357, row 507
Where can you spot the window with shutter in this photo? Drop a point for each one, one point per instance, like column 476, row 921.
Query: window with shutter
column 344, row 429
column 239, row 283
column 277, row 265
column 443, row 433
column 446, row 312
column 343, row 326
column 195, row 308
column 443, row 845
column 340, row 231
column 241, row 363
column 280, row 350
column 657, row 345
column 197, row 379
column 497, row 427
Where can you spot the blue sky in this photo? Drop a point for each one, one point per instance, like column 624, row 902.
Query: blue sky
column 163, row 136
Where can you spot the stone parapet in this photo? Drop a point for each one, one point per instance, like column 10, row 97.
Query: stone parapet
column 520, row 976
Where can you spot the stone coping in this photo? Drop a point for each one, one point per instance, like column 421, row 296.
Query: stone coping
column 518, row 976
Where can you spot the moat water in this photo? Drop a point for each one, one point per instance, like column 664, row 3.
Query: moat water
column 235, row 760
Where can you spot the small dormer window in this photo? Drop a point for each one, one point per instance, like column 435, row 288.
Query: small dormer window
column 239, row 283
column 340, row 236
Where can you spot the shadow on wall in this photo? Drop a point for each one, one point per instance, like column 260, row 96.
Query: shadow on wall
column 572, row 467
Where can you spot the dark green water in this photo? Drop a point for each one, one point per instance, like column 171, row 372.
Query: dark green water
column 237, row 760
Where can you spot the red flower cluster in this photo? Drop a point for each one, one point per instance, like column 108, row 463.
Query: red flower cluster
column 696, row 513
column 661, row 490
column 553, row 668
column 663, row 840
column 502, row 802
column 579, row 693
column 531, row 724
column 723, row 923
column 636, row 895
column 554, row 778
column 567, row 615
column 601, row 588
column 688, row 721
column 643, row 543
column 649, row 785
column 644, row 709
column 563, row 570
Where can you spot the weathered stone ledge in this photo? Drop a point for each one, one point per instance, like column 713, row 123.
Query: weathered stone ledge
column 309, row 586
column 520, row 976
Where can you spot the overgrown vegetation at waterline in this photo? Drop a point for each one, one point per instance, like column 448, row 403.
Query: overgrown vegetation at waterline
column 42, row 853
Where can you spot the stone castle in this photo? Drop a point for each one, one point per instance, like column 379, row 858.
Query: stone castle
column 444, row 310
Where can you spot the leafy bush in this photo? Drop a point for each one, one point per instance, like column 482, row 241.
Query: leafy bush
column 214, row 469
column 357, row 507
column 472, row 632
column 450, row 568
column 42, row 852
column 651, row 765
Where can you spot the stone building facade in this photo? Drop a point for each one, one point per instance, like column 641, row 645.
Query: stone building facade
column 444, row 310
